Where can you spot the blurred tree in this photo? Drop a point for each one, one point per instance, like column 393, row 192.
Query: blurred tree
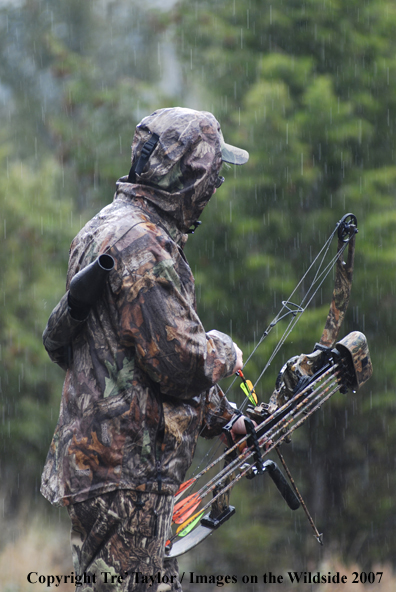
column 76, row 78
column 36, row 229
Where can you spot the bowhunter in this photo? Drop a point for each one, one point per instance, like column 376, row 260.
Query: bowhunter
column 141, row 371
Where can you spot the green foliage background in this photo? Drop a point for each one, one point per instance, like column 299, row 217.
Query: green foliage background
column 310, row 90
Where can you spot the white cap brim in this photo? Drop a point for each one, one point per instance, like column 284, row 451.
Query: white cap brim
column 232, row 154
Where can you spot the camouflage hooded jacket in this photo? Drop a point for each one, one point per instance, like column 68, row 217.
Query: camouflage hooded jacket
column 141, row 385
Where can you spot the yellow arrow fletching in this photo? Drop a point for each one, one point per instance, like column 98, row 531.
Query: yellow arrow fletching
column 189, row 524
column 252, row 391
column 249, row 391
column 245, row 389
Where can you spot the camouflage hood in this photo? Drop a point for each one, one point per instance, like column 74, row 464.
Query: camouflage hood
column 180, row 175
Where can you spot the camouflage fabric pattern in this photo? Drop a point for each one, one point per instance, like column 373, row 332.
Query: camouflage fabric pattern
column 118, row 542
column 356, row 344
column 341, row 295
column 141, row 371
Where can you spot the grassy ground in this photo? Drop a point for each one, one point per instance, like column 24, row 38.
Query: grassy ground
column 42, row 546
column 34, row 548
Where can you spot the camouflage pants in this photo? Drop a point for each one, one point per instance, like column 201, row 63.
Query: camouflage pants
column 118, row 542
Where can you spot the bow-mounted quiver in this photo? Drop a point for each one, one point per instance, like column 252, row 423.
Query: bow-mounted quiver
column 360, row 366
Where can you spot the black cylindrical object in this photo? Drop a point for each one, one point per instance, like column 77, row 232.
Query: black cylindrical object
column 284, row 488
column 87, row 285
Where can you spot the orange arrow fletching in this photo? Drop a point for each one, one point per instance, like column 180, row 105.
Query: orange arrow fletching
column 183, row 503
column 185, row 508
column 182, row 517
column 184, row 486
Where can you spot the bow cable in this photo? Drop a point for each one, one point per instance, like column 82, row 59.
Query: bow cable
column 291, row 309
column 296, row 313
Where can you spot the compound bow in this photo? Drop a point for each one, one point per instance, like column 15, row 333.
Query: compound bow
column 304, row 383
